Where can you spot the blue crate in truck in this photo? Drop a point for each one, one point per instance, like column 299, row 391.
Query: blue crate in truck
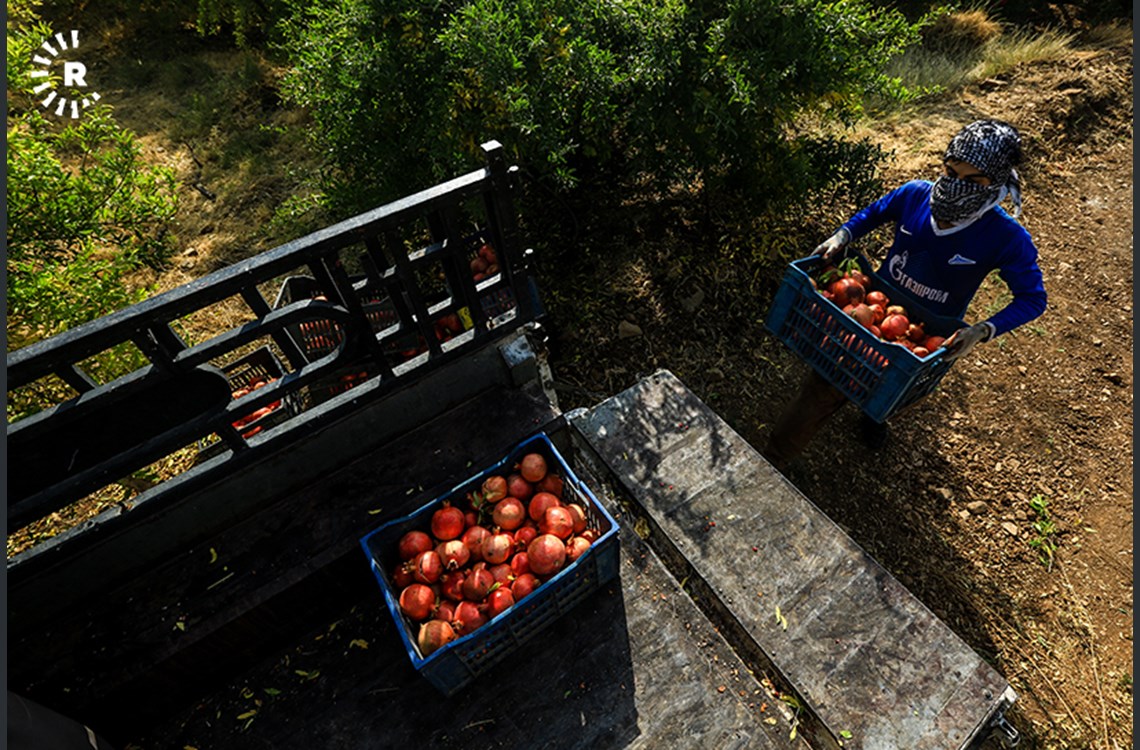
column 458, row 663
column 880, row 377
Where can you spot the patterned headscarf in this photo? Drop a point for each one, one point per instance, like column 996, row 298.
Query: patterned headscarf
column 994, row 147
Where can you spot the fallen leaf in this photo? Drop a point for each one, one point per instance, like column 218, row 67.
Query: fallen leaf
column 359, row 643
column 247, row 715
column 213, row 555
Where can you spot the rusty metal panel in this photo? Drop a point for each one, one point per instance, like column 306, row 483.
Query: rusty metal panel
column 867, row 656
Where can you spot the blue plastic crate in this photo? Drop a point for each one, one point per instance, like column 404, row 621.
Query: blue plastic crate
column 880, row 377
column 458, row 663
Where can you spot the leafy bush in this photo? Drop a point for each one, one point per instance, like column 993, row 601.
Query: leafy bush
column 250, row 21
column 84, row 211
column 402, row 92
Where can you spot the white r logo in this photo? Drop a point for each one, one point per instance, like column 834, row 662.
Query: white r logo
column 74, row 76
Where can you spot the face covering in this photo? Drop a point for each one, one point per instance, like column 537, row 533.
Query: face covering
column 955, row 201
column 992, row 146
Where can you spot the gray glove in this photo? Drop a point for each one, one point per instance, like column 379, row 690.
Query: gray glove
column 832, row 246
column 964, row 339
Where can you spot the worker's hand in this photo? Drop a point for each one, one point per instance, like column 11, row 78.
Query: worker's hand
column 832, row 246
column 964, row 339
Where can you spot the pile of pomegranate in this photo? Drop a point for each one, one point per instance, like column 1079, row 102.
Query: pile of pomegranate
column 256, row 383
column 476, row 561
column 851, row 290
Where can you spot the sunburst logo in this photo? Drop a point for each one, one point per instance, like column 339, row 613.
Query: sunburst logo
column 74, row 77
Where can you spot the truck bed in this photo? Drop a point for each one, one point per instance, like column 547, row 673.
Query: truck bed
column 742, row 617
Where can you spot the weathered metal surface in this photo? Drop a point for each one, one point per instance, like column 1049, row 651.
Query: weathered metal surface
column 869, row 658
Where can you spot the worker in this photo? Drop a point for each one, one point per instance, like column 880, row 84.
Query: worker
column 949, row 235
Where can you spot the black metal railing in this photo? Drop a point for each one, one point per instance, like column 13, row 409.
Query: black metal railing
column 380, row 325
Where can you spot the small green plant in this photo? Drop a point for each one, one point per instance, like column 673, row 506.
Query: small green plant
column 1046, row 529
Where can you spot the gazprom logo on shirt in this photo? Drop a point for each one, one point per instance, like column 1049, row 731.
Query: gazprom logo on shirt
column 922, row 291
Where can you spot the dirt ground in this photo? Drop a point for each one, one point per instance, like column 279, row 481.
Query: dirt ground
column 1025, row 448
column 1030, row 430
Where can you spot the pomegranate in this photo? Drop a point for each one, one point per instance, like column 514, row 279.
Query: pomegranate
column 494, row 489
column 524, row 585
column 546, row 555
column 447, row 523
column 434, row 635
column 427, row 567
column 875, row 330
column 846, row 291
column 921, row 351
column 896, row 310
column 578, row 514
column 934, row 343
column 519, row 487
column 468, row 617
column 525, row 535
column 453, row 553
column 478, row 583
column 502, row 574
column 540, row 503
column 509, row 514
column 497, row 548
column 532, row 467
column 558, row 522
column 551, row 483
column 403, row 577
column 451, row 585
column 591, row 535
column 876, row 297
column 519, row 564
column 878, row 312
column 474, row 538
column 915, row 333
column 478, row 265
column 413, row 543
column 575, row 547
column 863, row 279
column 499, row 601
column 487, row 253
column 417, row 601
column 895, row 327
column 863, row 315
column 470, row 518
column 445, row 611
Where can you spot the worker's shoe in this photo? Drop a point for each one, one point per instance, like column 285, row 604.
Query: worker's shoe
column 872, row 434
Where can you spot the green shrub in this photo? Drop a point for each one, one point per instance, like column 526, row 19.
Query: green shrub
column 403, row 92
column 84, row 212
column 79, row 197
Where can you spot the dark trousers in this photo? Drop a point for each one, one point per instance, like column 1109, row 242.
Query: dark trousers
column 816, row 402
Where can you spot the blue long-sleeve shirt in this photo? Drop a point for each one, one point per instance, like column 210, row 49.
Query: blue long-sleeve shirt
column 943, row 273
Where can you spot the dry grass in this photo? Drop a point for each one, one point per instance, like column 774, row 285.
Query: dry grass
column 965, row 47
